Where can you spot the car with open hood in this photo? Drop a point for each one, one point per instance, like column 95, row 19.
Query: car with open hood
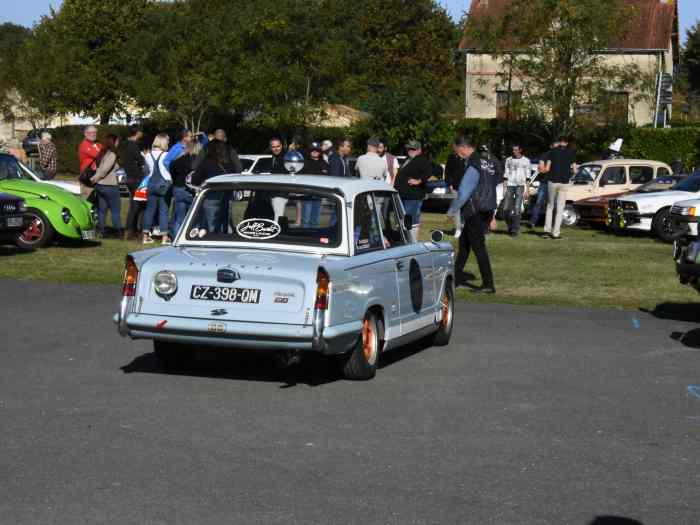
column 52, row 211
column 291, row 264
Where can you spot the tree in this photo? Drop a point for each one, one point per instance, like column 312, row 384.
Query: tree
column 12, row 39
column 89, row 42
column 552, row 48
column 691, row 58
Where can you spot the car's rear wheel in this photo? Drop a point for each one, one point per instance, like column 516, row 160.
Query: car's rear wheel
column 662, row 225
column 172, row 355
column 361, row 362
column 38, row 234
column 570, row 216
column 447, row 304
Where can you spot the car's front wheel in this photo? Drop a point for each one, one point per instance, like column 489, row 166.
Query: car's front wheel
column 662, row 225
column 361, row 362
column 570, row 216
column 39, row 232
column 172, row 356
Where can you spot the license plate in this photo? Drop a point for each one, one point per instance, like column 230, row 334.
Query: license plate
column 225, row 294
column 88, row 235
column 15, row 222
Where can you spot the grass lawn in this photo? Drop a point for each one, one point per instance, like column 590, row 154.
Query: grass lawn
column 587, row 268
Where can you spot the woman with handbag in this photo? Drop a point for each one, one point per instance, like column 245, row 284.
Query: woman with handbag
column 159, row 185
column 107, row 186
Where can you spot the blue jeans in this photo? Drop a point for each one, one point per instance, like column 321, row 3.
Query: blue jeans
column 212, row 208
column 108, row 197
column 540, row 203
column 310, row 213
column 156, row 203
column 183, row 201
column 512, row 207
column 413, row 208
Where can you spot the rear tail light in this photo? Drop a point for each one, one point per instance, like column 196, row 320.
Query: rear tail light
column 131, row 276
column 322, row 289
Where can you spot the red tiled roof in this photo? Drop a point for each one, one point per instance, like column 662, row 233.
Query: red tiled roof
column 656, row 24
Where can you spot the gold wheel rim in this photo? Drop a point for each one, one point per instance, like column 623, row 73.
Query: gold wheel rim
column 369, row 344
column 445, row 310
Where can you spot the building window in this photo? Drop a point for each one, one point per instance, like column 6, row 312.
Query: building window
column 503, row 112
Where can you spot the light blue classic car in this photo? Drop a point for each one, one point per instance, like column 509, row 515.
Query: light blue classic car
column 291, row 264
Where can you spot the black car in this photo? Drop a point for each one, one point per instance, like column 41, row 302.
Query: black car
column 13, row 218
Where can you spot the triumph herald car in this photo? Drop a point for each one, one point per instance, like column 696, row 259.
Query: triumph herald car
column 291, row 264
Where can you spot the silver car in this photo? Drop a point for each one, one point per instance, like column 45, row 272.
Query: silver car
column 292, row 264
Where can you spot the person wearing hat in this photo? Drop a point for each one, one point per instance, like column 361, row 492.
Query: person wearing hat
column 314, row 165
column 371, row 165
column 410, row 182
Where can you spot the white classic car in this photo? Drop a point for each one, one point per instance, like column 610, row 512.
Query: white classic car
column 291, row 264
column 652, row 211
column 72, row 187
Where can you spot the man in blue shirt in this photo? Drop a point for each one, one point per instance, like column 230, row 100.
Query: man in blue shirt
column 467, row 208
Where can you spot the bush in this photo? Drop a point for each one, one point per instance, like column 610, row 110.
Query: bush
column 665, row 145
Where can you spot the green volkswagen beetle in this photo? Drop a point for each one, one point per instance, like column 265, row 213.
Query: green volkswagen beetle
column 52, row 211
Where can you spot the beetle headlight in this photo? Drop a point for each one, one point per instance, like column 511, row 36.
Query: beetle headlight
column 165, row 283
column 65, row 215
column 22, row 207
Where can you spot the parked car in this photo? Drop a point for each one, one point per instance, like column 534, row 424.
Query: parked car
column 52, row 211
column 686, row 254
column 594, row 211
column 652, row 211
column 30, row 144
column 13, row 219
column 347, row 280
column 607, row 177
column 30, row 174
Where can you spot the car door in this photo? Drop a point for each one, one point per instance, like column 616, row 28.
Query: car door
column 612, row 180
column 639, row 174
column 413, row 264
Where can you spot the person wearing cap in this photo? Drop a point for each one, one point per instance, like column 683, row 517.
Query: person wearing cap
column 314, row 165
column 371, row 165
column 47, row 155
column 410, row 182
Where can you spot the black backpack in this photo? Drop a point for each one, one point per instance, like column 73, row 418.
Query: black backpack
column 484, row 197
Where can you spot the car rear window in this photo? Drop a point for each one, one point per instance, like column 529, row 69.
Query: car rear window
column 268, row 215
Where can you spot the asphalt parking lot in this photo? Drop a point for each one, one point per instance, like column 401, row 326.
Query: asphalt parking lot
column 532, row 416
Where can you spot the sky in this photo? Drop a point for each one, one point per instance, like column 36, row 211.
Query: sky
column 27, row 12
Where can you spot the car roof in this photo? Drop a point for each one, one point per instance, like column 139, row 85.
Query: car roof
column 624, row 162
column 348, row 186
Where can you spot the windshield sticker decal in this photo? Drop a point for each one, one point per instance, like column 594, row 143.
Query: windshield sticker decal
column 258, row 229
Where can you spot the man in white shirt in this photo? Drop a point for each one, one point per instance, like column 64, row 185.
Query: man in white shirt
column 392, row 163
column 371, row 165
column 517, row 171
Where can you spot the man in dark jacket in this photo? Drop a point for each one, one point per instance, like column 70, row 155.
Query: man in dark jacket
column 338, row 160
column 468, row 208
column 133, row 162
column 410, row 182
column 277, row 149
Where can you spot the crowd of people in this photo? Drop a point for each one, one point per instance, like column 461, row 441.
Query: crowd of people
column 170, row 172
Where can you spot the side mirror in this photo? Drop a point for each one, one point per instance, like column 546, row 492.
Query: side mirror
column 437, row 236
column 408, row 222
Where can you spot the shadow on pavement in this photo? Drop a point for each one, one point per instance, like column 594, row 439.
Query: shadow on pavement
column 685, row 312
column 313, row 369
column 690, row 339
column 614, row 520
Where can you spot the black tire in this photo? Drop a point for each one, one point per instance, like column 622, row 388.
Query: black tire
column 39, row 234
column 172, row 356
column 444, row 333
column 662, row 226
column 361, row 363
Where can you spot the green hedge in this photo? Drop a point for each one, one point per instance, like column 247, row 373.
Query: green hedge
column 665, row 145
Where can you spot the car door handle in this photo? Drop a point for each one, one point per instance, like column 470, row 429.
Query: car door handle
column 399, row 265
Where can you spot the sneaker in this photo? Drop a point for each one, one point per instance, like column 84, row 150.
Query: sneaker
column 166, row 240
column 556, row 237
column 458, row 232
column 147, row 239
column 546, row 235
